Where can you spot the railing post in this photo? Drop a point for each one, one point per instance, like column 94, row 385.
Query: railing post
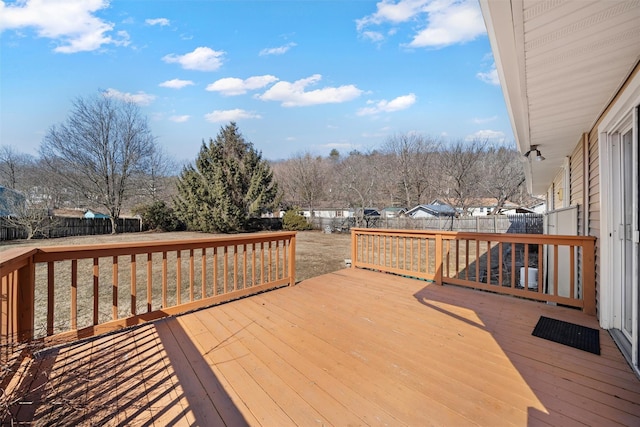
column 25, row 307
column 439, row 266
column 292, row 260
column 354, row 249
column 588, row 277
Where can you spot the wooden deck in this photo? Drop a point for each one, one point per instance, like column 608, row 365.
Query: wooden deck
column 350, row 348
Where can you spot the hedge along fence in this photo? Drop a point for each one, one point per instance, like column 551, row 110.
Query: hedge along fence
column 68, row 227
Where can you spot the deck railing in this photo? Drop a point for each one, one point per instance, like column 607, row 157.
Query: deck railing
column 557, row 269
column 64, row 293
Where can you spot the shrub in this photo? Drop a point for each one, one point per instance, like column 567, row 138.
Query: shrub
column 159, row 216
column 293, row 221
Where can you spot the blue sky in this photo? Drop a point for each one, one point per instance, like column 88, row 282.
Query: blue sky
column 296, row 76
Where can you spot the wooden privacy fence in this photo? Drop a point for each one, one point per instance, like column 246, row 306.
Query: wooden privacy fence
column 64, row 293
column 520, row 223
column 558, row 269
column 59, row 226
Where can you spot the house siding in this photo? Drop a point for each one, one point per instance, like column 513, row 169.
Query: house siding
column 576, row 183
column 558, row 189
column 594, row 204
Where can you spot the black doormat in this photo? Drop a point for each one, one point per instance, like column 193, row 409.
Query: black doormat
column 576, row 336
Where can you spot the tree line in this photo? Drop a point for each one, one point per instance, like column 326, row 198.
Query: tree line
column 104, row 156
column 407, row 170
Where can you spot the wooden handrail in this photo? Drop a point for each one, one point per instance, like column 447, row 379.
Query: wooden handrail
column 128, row 273
column 487, row 261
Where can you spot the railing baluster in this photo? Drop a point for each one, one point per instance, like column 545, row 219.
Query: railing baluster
column 277, row 276
column 541, row 267
column 96, row 291
column 262, row 266
column 513, row 265
column 74, row 294
column 134, row 285
column 114, row 307
column 477, row 258
column 215, row 270
column 235, row 267
column 500, row 263
column 572, row 278
column 555, row 270
column 270, row 261
column 178, row 277
column 225, row 269
column 165, row 304
column 253, row 265
column 203, row 274
column 149, row 282
column 244, row 266
column 51, row 297
column 192, row 274
column 488, row 262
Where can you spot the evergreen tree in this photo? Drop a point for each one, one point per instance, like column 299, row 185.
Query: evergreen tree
column 229, row 185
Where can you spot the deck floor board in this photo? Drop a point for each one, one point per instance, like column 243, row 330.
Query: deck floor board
column 353, row 347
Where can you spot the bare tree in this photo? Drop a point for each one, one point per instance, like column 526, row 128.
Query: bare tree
column 503, row 175
column 356, row 180
column 304, row 180
column 412, row 157
column 461, row 172
column 14, row 167
column 100, row 150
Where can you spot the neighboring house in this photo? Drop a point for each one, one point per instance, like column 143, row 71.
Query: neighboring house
column 11, row 201
column 95, row 215
column 570, row 74
column 483, row 207
column 432, row 210
column 328, row 213
column 392, row 212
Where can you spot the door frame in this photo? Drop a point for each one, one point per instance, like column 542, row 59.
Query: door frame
column 625, row 108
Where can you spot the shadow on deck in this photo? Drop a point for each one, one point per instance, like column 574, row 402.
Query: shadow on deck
column 352, row 347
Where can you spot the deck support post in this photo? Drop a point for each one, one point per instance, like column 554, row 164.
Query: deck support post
column 25, row 302
column 292, row 260
column 438, row 262
column 588, row 277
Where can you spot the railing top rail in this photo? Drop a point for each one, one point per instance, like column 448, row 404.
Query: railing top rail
column 493, row 237
column 15, row 258
column 56, row 253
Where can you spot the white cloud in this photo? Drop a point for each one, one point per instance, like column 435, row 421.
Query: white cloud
column 294, row 94
column 487, row 135
column 390, row 11
column 458, row 22
column 277, row 50
column 201, row 59
column 482, row 120
column 233, row 86
column 490, row 76
column 443, row 22
column 384, row 106
column 71, row 23
column 139, row 98
column 218, row 116
column 373, row 36
column 179, row 119
column 163, row 22
column 176, row 83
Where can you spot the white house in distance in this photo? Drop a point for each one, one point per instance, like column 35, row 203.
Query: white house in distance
column 434, row 209
column 328, row 213
column 570, row 74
